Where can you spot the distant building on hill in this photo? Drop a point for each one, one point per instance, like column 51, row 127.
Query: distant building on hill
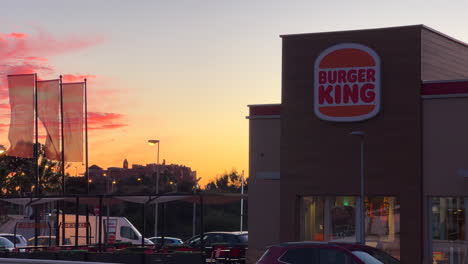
column 104, row 178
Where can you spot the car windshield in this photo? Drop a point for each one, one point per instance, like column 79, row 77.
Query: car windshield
column 12, row 239
column 167, row 241
column 5, row 243
column 375, row 257
column 176, row 241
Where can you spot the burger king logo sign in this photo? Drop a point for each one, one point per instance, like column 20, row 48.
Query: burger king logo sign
column 347, row 83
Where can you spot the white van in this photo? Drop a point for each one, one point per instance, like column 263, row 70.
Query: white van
column 115, row 229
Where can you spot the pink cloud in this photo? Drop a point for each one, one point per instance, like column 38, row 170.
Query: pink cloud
column 17, row 35
column 105, row 127
column 105, row 121
column 36, row 58
column 18, row 45
column 22, row 53
column 96, row 121
column 28, row 53
column 99, row 117
column 77, row 77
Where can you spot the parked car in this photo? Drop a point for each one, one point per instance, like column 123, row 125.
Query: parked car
column 324, row 253
column 231, row 238
column 234, row 245
column 6, row 244
column 44, row 241
column 167, row 240
column 19, row 239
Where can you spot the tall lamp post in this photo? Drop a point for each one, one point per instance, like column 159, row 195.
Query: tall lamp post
column 196, row 188
column 153, row 142
column 362, row 210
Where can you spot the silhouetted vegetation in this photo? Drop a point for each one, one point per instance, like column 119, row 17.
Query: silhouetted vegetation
column 17, row 175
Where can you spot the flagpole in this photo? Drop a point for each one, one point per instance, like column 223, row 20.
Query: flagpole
column 36, row 145
column 86, row 155
column 36, row 159
column 86, row 134
column 63, row 160
column 63, row 136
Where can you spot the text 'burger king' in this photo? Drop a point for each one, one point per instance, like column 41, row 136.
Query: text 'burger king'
column 347, row 83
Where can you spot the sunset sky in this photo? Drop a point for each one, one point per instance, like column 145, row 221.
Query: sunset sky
column 181, row 71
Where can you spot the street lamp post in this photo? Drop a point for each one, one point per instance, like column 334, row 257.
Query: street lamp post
column 114, row 182
column 107, row 182
column 362, row 210
column 153, row 142
column 196, row 188
column 242, row 203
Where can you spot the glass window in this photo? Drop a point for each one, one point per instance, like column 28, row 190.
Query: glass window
column 448, row 230
column 366, row 258
column 334, row 218
column 312, row 216
column 343, row 218
column 328, row 218
column 333, row 256
column 216, row 239
column 244, row 239
column 383, row 224
column 13, row 239
column 127, row 232
column 300, row 256
column 5, row 243
column 232, row 239
column 195, row 241
column 368, row 255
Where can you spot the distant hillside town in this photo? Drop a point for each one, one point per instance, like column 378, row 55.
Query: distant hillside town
column 173, row 177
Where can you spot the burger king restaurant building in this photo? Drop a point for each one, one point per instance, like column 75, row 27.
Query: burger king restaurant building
column 388, row 106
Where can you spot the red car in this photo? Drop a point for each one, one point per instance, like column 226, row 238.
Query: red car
column 324, row 253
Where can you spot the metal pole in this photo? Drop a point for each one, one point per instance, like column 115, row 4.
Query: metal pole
column 202, row 230
column 361, row 215
column 36, row 160
column 242, row 203
column 86, row 157
column 86, row 134
column 194, row 215
column 363, row 209
column 77, row 219
column 36, row 145
column 63, row 159
column 63, row 138
column 144, row 224
column 57, row 220
column 106, row 238
column 36, row 222
column 96, row 227
column 63, row 222
column 100, row 224
column 163, row 233
column 156, row 206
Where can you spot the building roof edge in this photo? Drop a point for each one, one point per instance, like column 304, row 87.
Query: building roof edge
column 350, row 30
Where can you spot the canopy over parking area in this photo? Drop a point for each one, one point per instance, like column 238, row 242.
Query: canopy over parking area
column 109, row 200
column 200, row 198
